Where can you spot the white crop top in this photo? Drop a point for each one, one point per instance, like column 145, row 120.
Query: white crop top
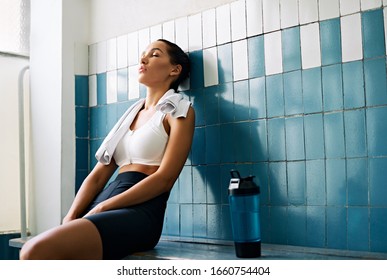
column 145, row 145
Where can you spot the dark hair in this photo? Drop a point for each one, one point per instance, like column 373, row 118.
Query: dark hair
column 178, row 56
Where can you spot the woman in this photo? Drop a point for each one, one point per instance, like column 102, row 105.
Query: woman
column 149, row 145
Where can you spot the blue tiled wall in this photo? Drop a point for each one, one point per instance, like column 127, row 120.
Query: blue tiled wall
column 314, row 137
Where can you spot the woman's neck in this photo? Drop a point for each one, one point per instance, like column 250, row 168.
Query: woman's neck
column 153, row 96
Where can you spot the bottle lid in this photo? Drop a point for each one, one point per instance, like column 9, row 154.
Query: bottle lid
column 242, row 186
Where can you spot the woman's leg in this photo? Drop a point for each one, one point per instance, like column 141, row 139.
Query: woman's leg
column 78, row 239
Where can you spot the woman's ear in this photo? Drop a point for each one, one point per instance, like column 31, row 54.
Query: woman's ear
column 176, row 70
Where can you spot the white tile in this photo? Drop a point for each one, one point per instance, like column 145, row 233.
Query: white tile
column 254, row 15
column 133, row 51
column 351, row 38
column 273, row 53
column 101, row 57
column 308, row 10
column 329, row 9
column 93, row 58
column 223, row 24
column 143, row 39
column 370, row 4
column 238, row 20
column 133, row 84
column 210, row 65
column 310, row 46
column 195, row 32
column 181, row 28
column 209, row 28
column 81, row 56
column 271, row 15
column 111, row 87
column 240, row 60
column 169, row 30
column 156, row 32
column 111, row 49
column 92, row 90
column 289, row 13
column 122, row 51
column 384, row 2
column 348, row 7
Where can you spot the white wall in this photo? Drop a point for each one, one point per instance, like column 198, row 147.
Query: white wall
column 110, row 19
column 56, row 27
column 9, row 141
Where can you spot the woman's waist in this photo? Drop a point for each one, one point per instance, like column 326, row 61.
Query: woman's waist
column 141, row 168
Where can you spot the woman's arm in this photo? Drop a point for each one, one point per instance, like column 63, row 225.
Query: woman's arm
column 90, row 187
column 175, row 156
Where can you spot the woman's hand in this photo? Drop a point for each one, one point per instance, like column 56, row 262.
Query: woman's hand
column 68, row 218
column 97, row 209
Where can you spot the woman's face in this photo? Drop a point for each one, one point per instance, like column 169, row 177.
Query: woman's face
column 155, row 67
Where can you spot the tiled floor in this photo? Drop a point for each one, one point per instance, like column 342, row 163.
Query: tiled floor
column 199, row 251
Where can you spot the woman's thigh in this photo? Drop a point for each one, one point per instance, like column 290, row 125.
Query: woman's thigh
column 78, row 239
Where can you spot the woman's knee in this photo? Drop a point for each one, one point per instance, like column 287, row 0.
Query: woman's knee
column 34, row 249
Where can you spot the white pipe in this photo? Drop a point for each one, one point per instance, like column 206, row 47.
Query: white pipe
column 23, row 214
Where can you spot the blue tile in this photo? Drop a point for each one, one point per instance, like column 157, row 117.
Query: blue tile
column 122, row 84
column 199, row 184
column 336, row 182
column 278, row 226
column 199, row 106
column 199, row 146
column 278, row 186
column 330, row 41
column 378, row 230
column 172, row 220
column 81, row 90
column 242, row 137
column 82, row 121
column 200, row 220
column 196, row 74
column 259, row 141
column 186, row 223
column 226, row 103
column 291, row 49
column 256, row 56
column 377, row 182
column 312, row 90
column 295, row 148
column 98, row 122
column 185, row 185
column 293, row 93
column 275, row 96
column 101, row 89
column 94, row 145
column 315, row 226
column 358, row 229
column 332, row 87
column 226, row 233
column 214, row 191
column 241, row 101
column 355, row 133
column 296, row 232
column 357, row 181
column 227, row 143
column 111, row 116
column 82, row 154
column 257, row 98
column 375, row 82
column 174, row 196
column 314, row 136
column 373, row 33
column 336, row 229
column 296, row 183
column 211, row 99
column 334, row 135
column 377, row 131
column 353, row 85
column 213, row 144
column 214, row 226
column 276, row 139
column 260, row 171
column 315, row 182
column 225, row 68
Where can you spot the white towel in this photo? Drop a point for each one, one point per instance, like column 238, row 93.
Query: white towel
column 171, row 103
